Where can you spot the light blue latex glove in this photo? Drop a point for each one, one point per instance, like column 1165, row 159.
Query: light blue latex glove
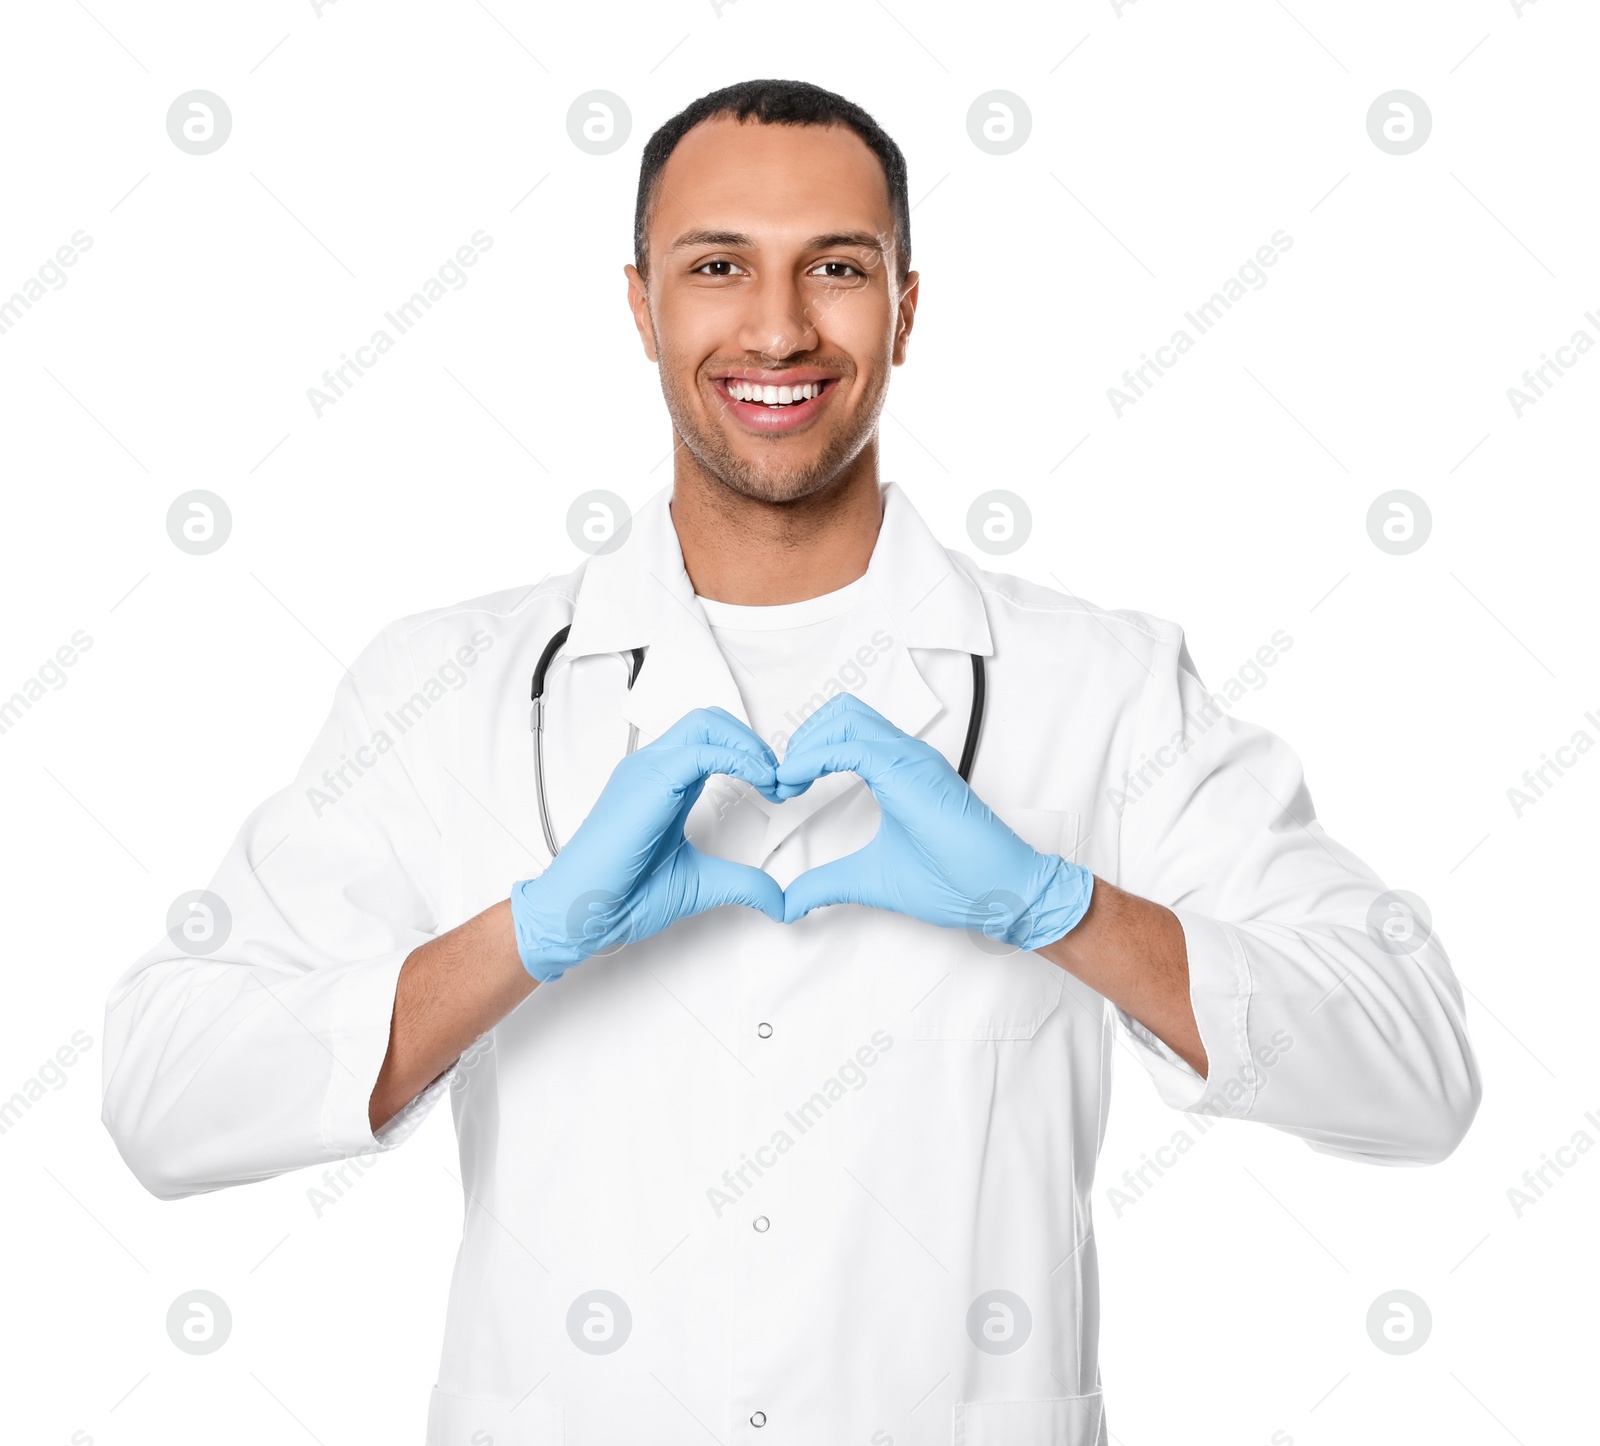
column 940, row 854
column 628, row 871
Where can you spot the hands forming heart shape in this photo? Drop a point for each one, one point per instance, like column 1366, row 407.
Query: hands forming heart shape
column 940, row 854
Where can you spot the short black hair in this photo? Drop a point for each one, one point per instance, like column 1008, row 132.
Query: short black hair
column 781, row 103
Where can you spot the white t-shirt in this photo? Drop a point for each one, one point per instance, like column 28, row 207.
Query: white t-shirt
column 788, row 659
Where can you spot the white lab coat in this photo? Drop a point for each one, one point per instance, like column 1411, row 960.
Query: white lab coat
column 802, row 1157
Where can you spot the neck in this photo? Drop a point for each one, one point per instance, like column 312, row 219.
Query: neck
column 755, row 553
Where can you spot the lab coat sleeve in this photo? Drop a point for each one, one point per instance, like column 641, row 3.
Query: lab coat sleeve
column 1310, row 1024
column 260, row 1055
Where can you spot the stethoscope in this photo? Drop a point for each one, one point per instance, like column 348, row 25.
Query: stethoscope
column 635, row 657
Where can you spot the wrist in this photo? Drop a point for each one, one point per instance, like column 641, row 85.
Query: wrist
column 1058, row 907
column 546, row 950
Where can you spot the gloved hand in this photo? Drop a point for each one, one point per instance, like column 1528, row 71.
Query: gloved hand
column 940, row 853
column 628, row 871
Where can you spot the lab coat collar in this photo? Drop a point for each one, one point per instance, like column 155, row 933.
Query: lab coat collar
column 640, row 595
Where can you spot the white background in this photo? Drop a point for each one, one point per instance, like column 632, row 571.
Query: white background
column 1168, row 143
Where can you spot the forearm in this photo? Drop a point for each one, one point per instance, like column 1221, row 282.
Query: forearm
column 1133, row 952
column 451, row 990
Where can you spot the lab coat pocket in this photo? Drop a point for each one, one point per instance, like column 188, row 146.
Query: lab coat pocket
column 492, row 1421
column 1050, row 830
column 1059, row 1421
column 990, row 991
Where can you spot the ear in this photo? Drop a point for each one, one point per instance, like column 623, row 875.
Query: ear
column 639, row 305
column 905, row 315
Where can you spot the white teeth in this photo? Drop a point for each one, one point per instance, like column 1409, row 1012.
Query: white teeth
column 773, row 396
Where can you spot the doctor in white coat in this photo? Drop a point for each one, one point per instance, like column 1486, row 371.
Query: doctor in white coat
column 756, row 1148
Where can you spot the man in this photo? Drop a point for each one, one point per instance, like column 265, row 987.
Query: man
column 779, row 1087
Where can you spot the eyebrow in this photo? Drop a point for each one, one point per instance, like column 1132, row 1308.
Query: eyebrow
column 863, row 239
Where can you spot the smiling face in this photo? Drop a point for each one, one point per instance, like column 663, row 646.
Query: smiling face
column 773, row 307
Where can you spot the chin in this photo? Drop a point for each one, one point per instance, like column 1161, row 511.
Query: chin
column 790, row 482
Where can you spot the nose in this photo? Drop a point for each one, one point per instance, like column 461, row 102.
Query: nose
column 776, row 322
